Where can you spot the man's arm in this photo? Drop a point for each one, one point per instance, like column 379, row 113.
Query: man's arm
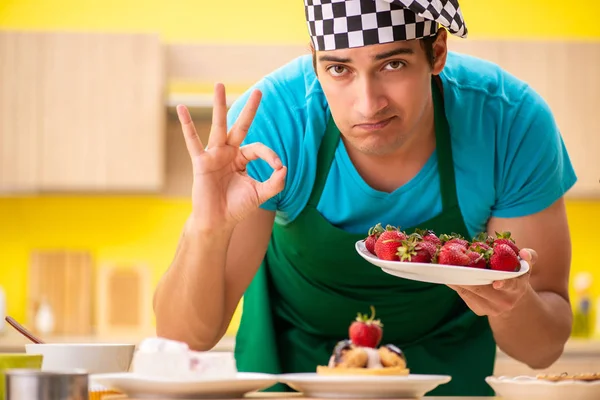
column 197, row 296
column 536, row 329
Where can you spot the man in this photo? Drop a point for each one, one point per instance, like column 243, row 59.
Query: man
column 381, row 124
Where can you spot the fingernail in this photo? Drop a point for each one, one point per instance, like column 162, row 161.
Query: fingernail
column 498, row 285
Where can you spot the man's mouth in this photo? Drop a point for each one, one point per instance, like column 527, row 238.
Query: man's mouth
column 375, row 125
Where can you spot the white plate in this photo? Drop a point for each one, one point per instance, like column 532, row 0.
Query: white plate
column 439, row 273
column 141, row 386
column 412, row 386
column 530, row 388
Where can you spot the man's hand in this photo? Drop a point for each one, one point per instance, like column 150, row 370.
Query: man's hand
column 499, row 297
column 531, row 316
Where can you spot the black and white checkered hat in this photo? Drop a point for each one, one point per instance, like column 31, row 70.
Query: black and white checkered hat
column 339, row 24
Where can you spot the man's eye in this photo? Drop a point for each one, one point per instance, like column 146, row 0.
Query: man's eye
column 393, row 65
column 337, row 70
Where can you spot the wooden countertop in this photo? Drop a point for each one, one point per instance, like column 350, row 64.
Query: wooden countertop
column 278, row 396
column 286, row 396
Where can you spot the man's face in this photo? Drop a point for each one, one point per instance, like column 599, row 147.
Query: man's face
column 379, row 94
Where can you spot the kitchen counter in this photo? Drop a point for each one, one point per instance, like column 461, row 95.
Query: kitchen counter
column 579, row 355
column 282, row 396
column 12, row 341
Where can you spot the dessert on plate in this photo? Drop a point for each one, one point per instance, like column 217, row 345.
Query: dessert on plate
column 164, row 358
column 362, row 354
column 588, row 377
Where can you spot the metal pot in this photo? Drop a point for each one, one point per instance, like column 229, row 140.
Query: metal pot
column 27, row 384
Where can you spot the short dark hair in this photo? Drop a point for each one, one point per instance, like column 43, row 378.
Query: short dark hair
column 426, row 44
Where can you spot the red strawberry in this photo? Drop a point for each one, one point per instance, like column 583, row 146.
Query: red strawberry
column 386, row 246
column 504, row 238
column 454, row 238
column 372, row 237
column 366, row 331
column 453, row 254
column 417, row 252
column 431, row 247
column 504, row 259
column 483, row 237
column 477, row 260
column 479, row 246
column 429, row 236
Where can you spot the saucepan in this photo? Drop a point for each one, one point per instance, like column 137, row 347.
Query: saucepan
column 22, row 384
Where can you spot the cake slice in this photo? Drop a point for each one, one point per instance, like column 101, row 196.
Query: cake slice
column 164, row 358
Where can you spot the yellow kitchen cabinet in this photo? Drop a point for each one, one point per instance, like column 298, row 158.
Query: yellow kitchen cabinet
column 81, row 112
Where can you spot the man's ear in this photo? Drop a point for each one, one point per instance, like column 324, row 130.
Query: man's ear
column 440, row 51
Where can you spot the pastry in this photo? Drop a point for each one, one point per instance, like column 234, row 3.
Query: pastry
column 588, row 376
column 361, row 353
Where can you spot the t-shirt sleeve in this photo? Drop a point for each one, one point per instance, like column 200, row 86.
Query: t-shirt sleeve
column 275, row 125
column 533, row 168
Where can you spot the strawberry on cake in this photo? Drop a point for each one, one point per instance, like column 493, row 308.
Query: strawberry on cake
column 361, row 353
column 165, row 358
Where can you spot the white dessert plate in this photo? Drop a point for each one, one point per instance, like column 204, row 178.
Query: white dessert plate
column 134, row 385
column 439, row 273
column 412, row 386
column 531, row 388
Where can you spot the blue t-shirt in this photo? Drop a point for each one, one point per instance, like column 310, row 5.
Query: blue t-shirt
column 509, row 156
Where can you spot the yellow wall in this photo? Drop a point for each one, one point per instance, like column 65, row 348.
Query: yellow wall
column 253, row 21
column 146, row 229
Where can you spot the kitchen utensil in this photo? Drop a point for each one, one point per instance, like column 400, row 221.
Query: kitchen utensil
column 17, row 360
column 24, row 384
column 22, row 330
column 124, row 299
column 531, row 388
column 95, row 358
column 60, row 292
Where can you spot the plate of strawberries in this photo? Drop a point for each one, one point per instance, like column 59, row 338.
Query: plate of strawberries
column 448, row 259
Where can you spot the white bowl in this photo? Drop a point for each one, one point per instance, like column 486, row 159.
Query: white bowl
column 95, row 358
column 531, row 388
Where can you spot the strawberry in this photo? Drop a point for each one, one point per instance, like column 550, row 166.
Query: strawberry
column 481, row 242
column 477, row 246
column 504, row 238
column 372, row 237
column 431, row 247
column 417, row 252
column 504, row 258
column 366, row 331
column 429, row 236
column 477, row 260
column 454, row 238
column 453, row 254
column 386, row 246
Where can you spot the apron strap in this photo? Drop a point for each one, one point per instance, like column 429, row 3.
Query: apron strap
column 324, row 159
column 331, row 139
column 444, row 147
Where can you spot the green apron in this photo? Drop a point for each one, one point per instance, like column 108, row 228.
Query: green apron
column 312, row 283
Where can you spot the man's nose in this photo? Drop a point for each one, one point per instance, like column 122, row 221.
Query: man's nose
column 370, row 98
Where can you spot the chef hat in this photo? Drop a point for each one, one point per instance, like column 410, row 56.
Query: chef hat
column 341, row 24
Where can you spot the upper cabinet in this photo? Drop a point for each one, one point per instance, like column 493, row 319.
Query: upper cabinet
column 566, row 74
column 81, row 112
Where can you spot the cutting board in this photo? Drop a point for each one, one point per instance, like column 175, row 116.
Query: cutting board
column 63, row 278
column 123, row 299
